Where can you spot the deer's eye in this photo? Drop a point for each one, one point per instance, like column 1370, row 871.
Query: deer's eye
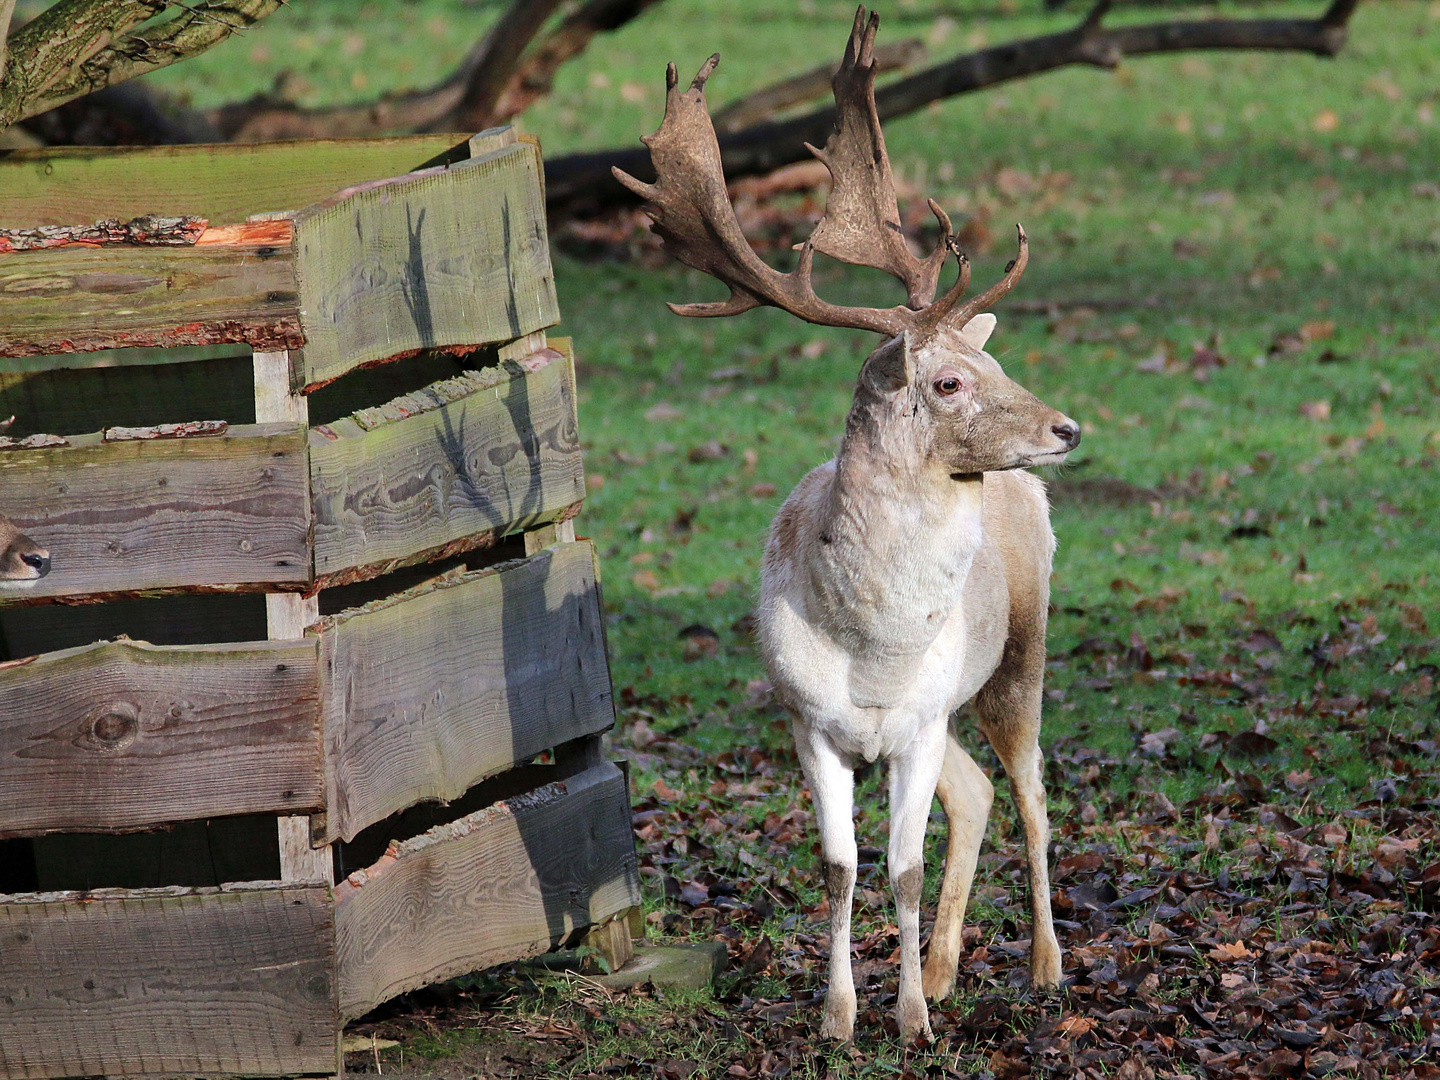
column 947, row 385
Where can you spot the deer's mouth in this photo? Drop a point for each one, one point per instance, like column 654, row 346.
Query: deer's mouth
column 1056, row 457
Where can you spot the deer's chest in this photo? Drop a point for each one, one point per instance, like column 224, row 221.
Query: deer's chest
column 813, row 673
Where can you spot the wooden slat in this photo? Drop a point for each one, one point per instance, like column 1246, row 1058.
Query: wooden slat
column 168, row 982
column 451, row 478
column 453, row 256
column 126, row 735
column 72, row 185
column 76, row 298
column 221, row 512
column 430, row 691
column 501, row 884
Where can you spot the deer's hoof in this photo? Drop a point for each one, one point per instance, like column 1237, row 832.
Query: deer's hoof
column 913, row 1019
column 1045, row 971
column 839, row 1022
column 937, row 980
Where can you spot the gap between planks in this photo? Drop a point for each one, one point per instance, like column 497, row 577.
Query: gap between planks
column 288, row 614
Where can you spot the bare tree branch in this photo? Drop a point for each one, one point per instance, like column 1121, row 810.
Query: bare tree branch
column 535, row 77
column 501, row 52
column 581, row 183
column 777, row 97
column 499, row 59
column 80, row 46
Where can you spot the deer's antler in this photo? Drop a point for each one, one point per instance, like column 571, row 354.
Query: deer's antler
column 862, row 219
column 692, row 214
column 697, row 224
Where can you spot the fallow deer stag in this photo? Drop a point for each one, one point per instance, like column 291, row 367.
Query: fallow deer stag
column 909, row 575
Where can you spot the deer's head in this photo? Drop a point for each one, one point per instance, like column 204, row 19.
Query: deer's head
column 968, row 417
column 22, row 561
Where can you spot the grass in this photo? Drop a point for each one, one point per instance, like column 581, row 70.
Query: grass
column 1243, row 252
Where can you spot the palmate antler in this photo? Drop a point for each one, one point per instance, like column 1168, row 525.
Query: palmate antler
column 696, row 223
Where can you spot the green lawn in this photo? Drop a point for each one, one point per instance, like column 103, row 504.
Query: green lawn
column 1242, row 251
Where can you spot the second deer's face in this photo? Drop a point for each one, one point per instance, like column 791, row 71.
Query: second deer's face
column 22, row 561
column 956, row 409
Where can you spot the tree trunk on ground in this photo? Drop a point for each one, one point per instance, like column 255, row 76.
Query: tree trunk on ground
column 579, row 184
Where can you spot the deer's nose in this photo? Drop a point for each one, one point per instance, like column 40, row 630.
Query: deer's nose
column 1068, row 432
column 37, row 562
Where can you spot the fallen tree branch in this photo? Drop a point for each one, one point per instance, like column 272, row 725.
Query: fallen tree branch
column 535, row 76
column 497, row 80
column 582, row 183
column 79, row 46
column 499, row 57
column 762, row 105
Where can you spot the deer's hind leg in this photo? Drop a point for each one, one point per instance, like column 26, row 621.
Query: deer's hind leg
column 965, row 795
column 1008, row 706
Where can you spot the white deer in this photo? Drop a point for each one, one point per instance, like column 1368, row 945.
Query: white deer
column 910, row 575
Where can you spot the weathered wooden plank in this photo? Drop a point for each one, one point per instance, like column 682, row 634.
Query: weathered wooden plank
column 77, row 298
column 430, row 691
column 449, row 256
column 456, row 473
column 168, row 982
column 69, row 185
column 126, row 735
column 501, row 884
column 219, row 513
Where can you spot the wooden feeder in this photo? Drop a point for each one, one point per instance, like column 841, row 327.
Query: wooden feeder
column 307, row 713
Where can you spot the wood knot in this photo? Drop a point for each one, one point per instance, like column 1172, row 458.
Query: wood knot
column 115, row 727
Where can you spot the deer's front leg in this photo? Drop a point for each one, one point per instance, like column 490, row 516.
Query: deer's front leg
column 913, row 776
column 832, row 787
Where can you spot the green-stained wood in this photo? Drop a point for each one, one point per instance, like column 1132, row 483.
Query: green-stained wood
column 226, row 183
column 430, row 691
column 455, row 256
column 218, row 512
column 169, row 982
column 454, row 476
column 501, row 884
column 79, row 298
column 125, row 735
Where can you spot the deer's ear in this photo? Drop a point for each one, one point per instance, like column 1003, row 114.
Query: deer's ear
column 888, row 368
column 977, row 331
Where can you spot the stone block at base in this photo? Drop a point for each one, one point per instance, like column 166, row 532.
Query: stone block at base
column 677, row 967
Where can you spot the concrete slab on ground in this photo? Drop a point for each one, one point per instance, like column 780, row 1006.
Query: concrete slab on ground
column 678, row 967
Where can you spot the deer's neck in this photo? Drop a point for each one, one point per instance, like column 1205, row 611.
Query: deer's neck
column 896, row 546
column 906, row 538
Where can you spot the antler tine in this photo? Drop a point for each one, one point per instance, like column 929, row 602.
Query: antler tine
column 862, row 218
column 692, row 214
column 955, row 320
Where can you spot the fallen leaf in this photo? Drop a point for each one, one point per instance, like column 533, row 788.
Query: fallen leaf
column 1072, row 1027
column 1229, row 951
column 712, row 450
column 661, row 412
column 700, row 641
